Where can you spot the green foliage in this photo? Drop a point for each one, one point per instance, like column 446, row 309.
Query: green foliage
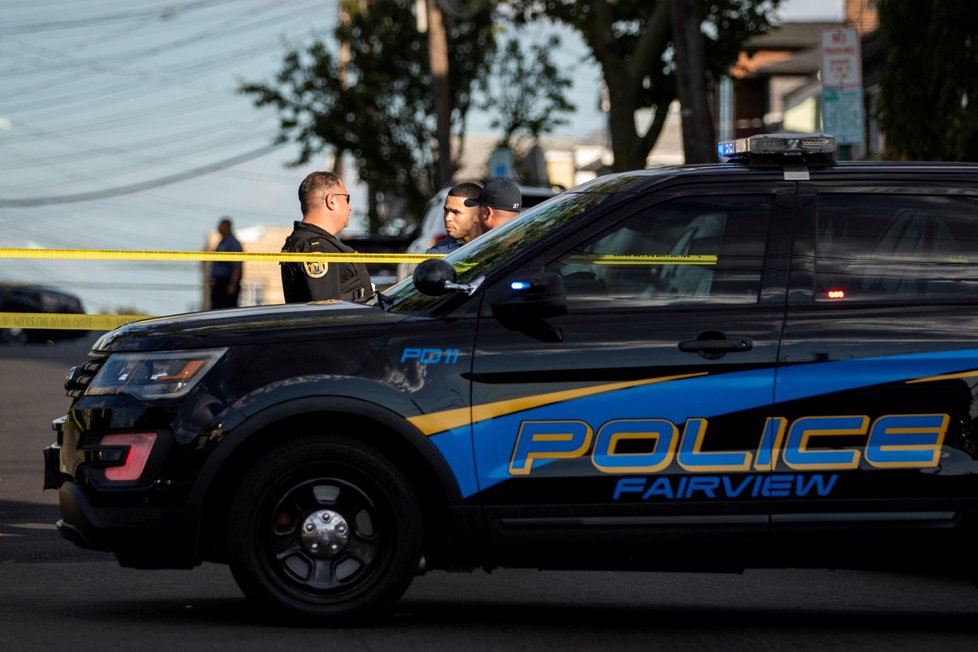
column 928, row 104
column 632, row 41
column 526, row 91
column 379, row 106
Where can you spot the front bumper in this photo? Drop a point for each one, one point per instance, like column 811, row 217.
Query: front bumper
column 52, row 467
column 52, row 455
column 140, row 536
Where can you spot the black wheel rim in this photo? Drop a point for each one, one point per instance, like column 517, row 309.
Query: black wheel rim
column 328, row 560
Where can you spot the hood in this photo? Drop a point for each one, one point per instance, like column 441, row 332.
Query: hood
column 257, row 325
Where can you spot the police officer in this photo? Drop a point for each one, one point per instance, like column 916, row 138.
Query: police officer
column 325, row 205
column 226, row 275
column 499, row 202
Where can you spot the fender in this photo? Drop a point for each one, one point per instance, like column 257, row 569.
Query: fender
column 248, row 425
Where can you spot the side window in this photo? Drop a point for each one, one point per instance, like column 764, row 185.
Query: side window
column 690, row 250
column 879, row 247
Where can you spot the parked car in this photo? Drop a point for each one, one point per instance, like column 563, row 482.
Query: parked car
column 766, row 363
column 432, row 227
column 18, row 297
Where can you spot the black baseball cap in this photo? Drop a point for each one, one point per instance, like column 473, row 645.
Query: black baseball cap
column 499, row 193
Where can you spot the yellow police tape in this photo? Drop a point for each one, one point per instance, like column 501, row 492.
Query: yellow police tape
column 615, row 260
column 65, row 321
column 658, row 259
column 24, row 320
column 270, row 257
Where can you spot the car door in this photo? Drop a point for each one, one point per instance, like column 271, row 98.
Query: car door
column 876, row 394
column 638, row 415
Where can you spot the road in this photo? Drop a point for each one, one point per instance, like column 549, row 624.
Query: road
column 53, row 594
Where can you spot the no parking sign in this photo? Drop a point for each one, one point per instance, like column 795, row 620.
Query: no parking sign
column 842, row 84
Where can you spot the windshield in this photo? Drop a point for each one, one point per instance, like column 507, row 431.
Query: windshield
column 483, row 254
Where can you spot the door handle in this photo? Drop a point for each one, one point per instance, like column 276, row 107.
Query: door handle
column 715, row 346
column 712, row 349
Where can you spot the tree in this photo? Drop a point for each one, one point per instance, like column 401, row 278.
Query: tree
column 697, row 119
column 438, row 60
column 632, row 42
column 928, row 103
column 525, row 92
column 378, row 106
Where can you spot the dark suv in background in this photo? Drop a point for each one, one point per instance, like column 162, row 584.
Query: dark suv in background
column 765, row 363
column 18, row 297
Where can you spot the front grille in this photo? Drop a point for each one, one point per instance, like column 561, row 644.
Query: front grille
column 79, row 378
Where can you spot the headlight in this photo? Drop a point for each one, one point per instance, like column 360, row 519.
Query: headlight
column 162, row 374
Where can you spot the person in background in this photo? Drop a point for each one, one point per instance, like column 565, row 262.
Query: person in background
column 225, row 276
column 325, row 205
column 461, row 222
column 499, row 202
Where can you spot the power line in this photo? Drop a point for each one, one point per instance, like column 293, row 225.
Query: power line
column 169, row 12
column 120, row 118
column 43, row 56
column 128, row 159
column 88, row 152
column 117, row 63
column 145, row 185
column 185, row 105
column 61, row 100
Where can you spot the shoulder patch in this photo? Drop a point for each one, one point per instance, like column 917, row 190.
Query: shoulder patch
column 316, row 269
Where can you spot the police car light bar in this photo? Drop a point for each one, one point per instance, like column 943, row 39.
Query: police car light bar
column 772, row 144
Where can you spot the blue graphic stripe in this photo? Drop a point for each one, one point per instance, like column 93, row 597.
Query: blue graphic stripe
column 819, row 378
column 480, row 456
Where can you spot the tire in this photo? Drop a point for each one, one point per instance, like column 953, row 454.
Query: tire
column 15, row 336
column 324, row 531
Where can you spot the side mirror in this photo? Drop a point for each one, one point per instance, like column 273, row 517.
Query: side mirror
column 536, row 296
column 431, row 276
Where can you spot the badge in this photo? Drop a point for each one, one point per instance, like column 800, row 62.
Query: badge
column 316, row 269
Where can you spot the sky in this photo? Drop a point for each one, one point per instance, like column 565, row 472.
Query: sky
column 121, row 128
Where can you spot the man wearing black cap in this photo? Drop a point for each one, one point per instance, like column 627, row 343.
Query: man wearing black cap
column 498, row 203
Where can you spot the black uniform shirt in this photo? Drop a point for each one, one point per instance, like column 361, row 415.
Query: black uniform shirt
column 317, row 281
column 445, row 245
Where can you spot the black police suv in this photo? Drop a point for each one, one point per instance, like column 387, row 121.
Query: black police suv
column 770, row 362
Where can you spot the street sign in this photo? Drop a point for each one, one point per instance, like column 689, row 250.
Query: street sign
column 842, row 114
column 501, row 163
column 842, row 84
column 841, row 58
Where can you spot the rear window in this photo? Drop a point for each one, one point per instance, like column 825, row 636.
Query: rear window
column 885, row 247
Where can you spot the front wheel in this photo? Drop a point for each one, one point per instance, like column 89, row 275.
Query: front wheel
column 14, row 336
column 326, row 530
